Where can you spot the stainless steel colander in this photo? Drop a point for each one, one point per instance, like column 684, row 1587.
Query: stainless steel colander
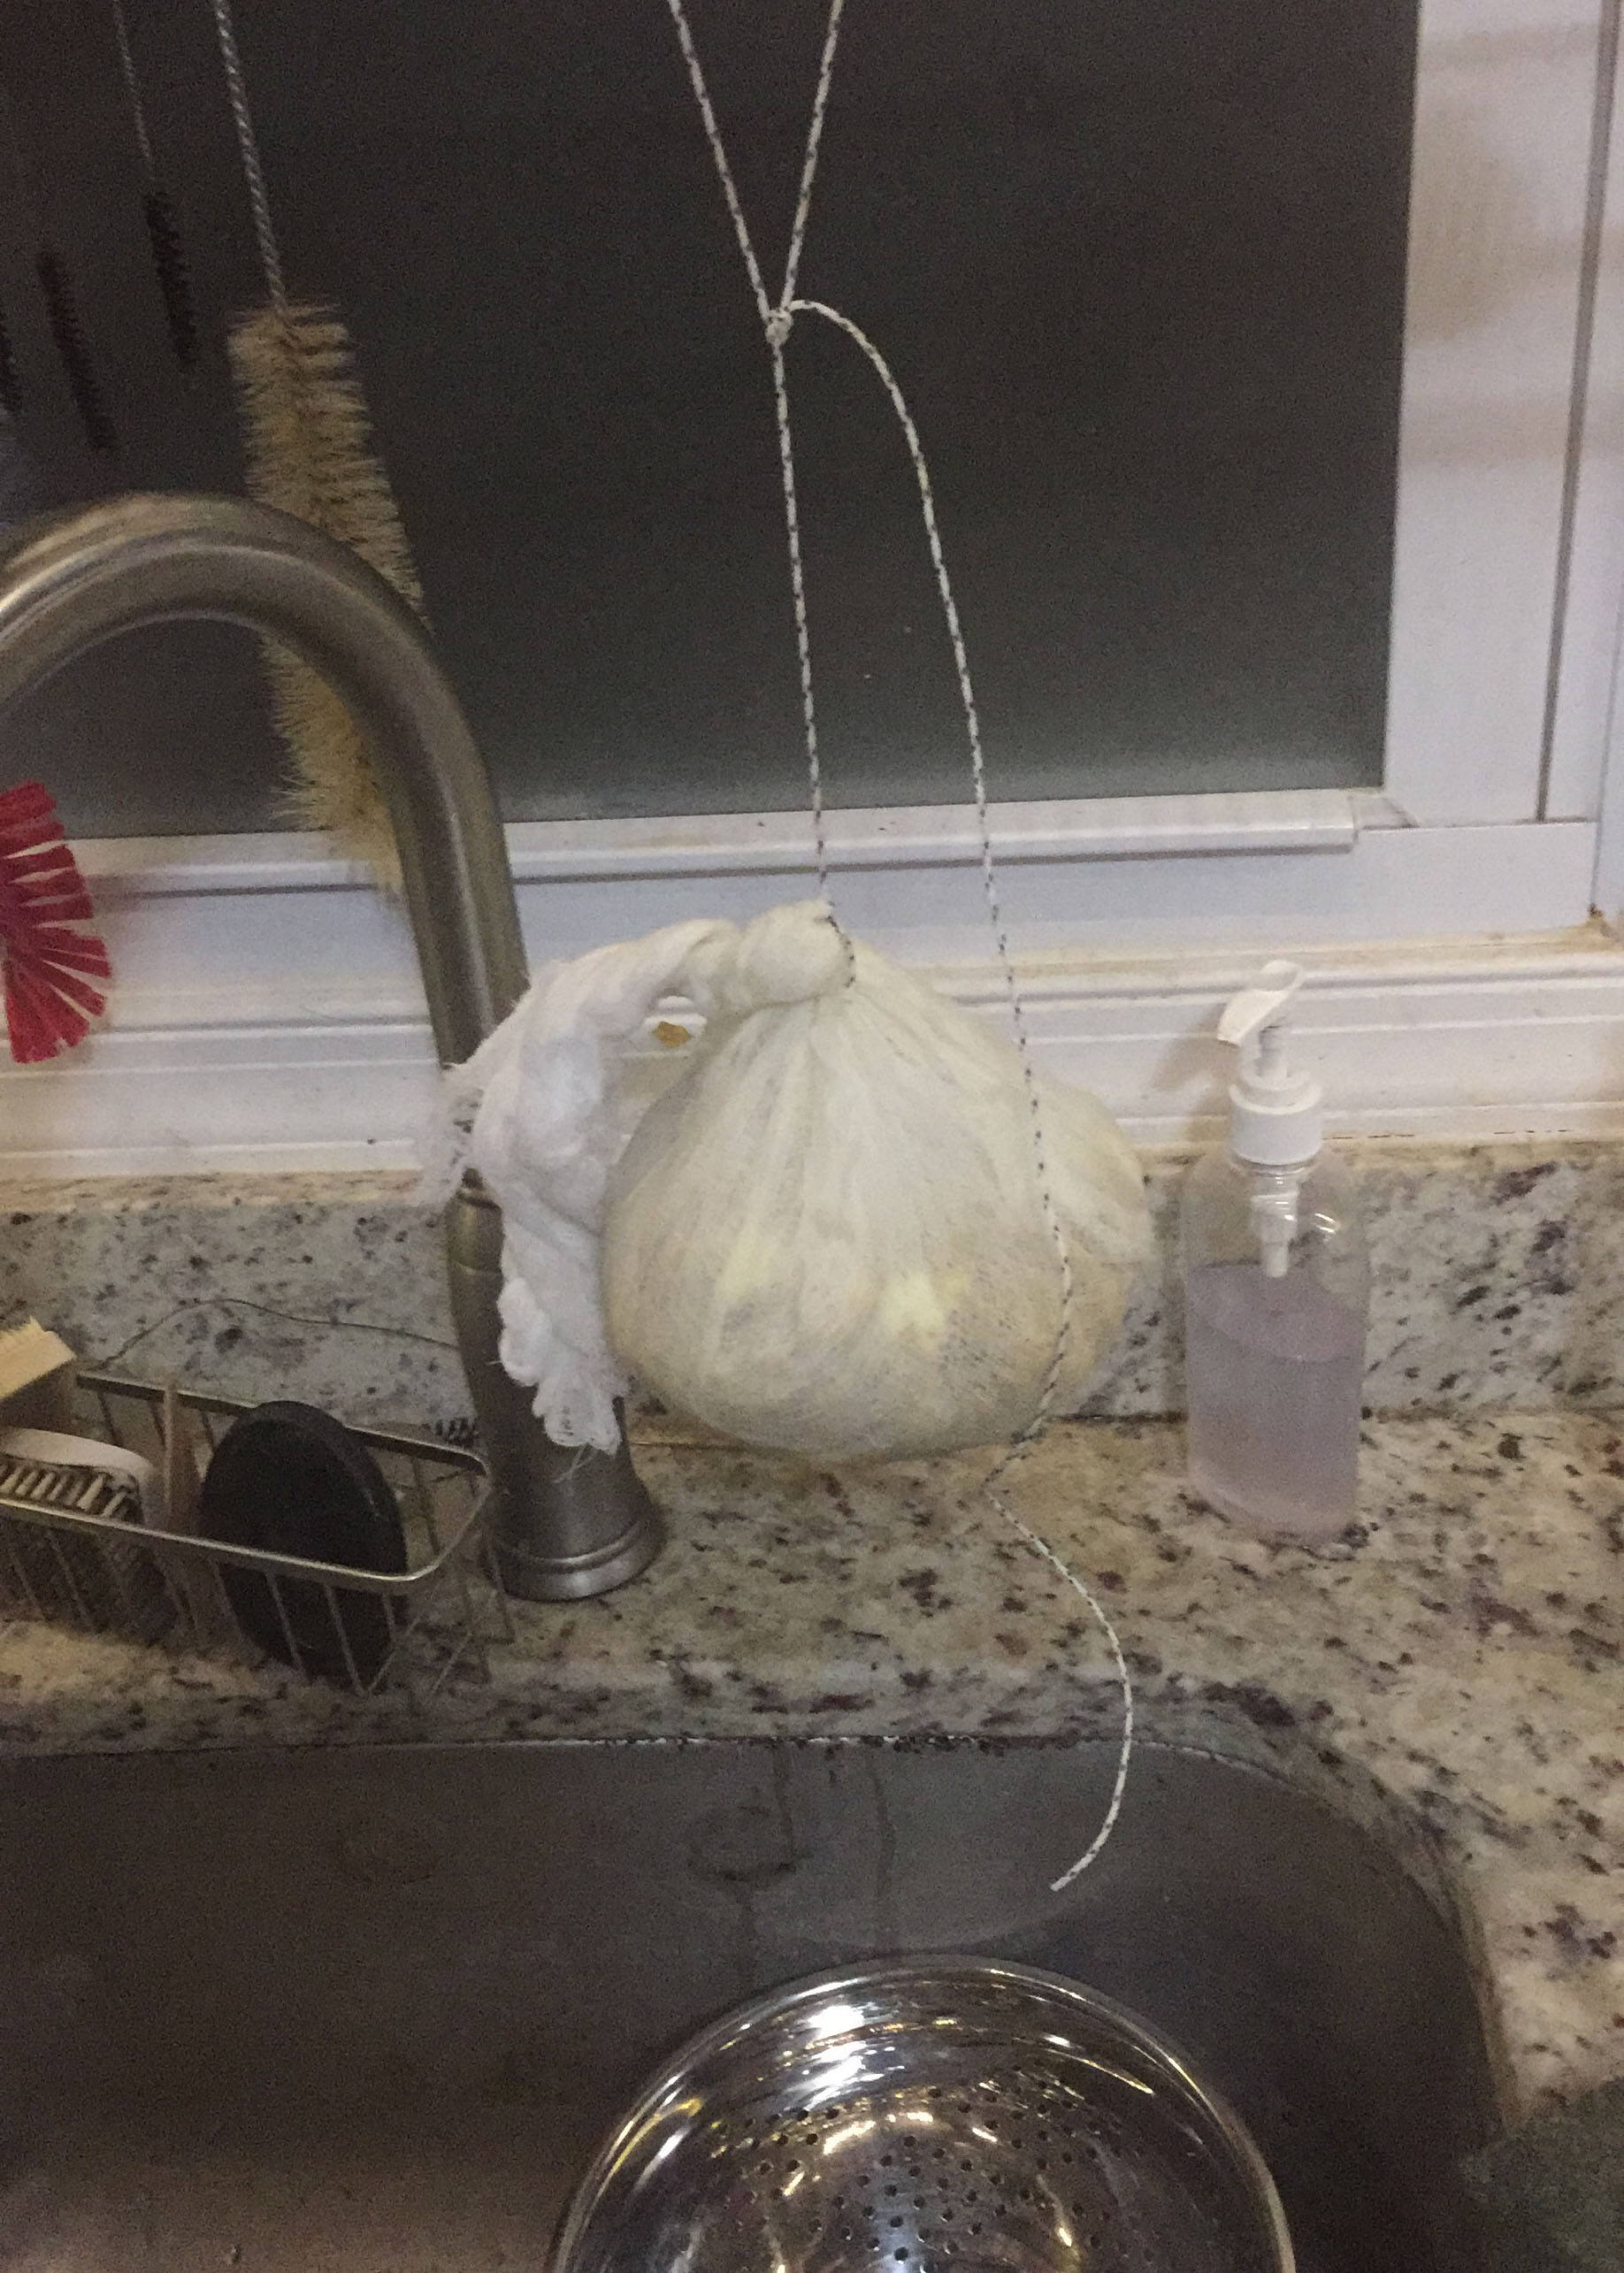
column 937, row 2115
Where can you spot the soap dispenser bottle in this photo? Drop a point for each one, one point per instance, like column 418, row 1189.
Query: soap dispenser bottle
column 1277, row 1286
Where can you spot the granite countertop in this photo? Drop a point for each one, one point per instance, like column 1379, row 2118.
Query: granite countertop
column 1452, row 1671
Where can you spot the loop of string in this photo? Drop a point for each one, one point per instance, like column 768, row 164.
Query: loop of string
column 777, row 320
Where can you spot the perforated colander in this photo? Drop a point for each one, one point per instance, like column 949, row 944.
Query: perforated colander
column 939, row 2116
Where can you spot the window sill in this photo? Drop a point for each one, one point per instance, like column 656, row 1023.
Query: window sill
column 778, row 844
column 267, row 1013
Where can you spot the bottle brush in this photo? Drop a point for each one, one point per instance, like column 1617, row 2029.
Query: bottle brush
column 310, row 449
column 308, row 439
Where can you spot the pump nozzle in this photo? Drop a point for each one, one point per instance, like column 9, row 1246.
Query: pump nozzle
column 1257, row 1009
column 1275, row 1113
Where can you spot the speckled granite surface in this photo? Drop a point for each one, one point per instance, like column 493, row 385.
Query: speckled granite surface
column 1453, row 1671
column 1497, row 1272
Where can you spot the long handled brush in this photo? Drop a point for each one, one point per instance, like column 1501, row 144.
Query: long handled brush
column 169, row 261
column 309, row 443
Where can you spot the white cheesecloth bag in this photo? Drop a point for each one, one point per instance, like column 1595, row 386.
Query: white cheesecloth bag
column 828, row 1236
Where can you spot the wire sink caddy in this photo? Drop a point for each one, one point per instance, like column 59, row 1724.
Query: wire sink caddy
column 75, row 1551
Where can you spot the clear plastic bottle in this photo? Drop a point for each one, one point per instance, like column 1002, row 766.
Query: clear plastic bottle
column 1276, row 1288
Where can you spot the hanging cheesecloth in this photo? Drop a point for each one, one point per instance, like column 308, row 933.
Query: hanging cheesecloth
column 849, row 1220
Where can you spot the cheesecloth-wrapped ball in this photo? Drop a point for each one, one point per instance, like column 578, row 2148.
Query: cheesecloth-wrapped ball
column 828, row 1237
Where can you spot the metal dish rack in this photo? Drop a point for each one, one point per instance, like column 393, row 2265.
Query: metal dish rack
column 79, row 1555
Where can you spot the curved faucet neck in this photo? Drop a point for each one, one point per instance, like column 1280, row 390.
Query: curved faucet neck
column 563, row 1524
column 68, row 582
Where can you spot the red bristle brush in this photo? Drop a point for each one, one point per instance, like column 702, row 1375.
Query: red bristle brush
column 47, row 966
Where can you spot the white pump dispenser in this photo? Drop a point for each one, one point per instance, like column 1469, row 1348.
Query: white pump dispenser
column 1275, row 1288
column 1275, row 1114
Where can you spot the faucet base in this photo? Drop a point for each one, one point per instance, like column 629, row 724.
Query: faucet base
column 567, row 1521
column 570, row 1578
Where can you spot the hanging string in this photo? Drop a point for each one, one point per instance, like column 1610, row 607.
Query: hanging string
column 989, row 875
column 815, row 137
column 777, row 319
column 803, row 638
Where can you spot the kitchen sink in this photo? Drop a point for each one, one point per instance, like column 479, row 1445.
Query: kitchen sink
column 373, row 2008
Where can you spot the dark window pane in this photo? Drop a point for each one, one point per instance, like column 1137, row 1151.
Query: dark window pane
column 1138, row 270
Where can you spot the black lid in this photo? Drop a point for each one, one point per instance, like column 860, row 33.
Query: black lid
column 291, row 1479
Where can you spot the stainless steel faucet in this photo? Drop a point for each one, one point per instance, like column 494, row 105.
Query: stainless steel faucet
column 565, row 1522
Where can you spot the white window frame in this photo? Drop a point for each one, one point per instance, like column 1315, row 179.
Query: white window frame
column 267, row 1010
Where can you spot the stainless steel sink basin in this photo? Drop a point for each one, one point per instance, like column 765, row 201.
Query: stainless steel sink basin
column 371, row 2009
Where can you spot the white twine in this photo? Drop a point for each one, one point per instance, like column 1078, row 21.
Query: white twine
column 777, row 319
